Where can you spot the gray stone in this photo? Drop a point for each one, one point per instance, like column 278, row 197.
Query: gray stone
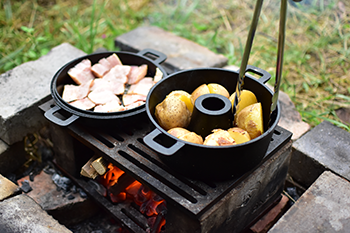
column 181, row 53
column 324, row 207
column 325, row 147
column 23, row 214
column 23, row 88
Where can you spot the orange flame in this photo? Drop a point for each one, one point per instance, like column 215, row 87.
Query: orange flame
column 111, row 176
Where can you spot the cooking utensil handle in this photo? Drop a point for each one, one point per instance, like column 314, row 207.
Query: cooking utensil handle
column 265, row 76
column 149, row 140
column 161, row 57
column 49, row 114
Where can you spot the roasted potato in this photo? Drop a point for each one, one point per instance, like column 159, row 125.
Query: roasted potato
column 219, row 137
column 211, row 88
column 251, row 119
column 239, row 135
column 247, row 98
column 185, row 97
column 186, row 135
column 172, row 112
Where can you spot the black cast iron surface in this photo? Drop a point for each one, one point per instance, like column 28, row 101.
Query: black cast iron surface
column 124, row 147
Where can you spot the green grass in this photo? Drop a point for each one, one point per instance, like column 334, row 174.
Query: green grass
column 316, row 61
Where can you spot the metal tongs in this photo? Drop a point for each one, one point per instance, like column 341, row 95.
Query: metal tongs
column 280, row 53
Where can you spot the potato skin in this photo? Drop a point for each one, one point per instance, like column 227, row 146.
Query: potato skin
column 219, row 137
column 172, row 112
column 239, row 135
column 186, row 135
column 251, row 119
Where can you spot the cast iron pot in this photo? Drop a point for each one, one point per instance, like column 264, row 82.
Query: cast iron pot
column 99, row 119
column 210, row 162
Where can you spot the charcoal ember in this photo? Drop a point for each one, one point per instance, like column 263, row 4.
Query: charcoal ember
column 292, row 191
column 98, row 187
column 62, row 183
column 49, row 170
column 26, row 186
column 82, row 193
column 70, row 197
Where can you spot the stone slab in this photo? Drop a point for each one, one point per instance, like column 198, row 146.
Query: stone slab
column 7, row 188
column 324, row 207
column 23, row 88
column 325, row 147
column 181, row 53
column 68, row 208
column 23, row 214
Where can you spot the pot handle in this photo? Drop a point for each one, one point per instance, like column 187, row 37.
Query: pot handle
column 149, row 140
column 161, row 57
column 265, row 76
column 49, row 115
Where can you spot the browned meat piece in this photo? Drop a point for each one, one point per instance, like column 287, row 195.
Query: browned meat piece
column 137, row 73
column 112, row 106
column 114, row 60
column 73, row 92
column 119, row 73
column 142, row 87
column 102, row 96
column 81, row 72
column 132, row 98
column 84, row 104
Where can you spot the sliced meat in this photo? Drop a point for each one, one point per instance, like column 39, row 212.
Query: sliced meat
column 142, row 87
column 81, row 72
column 118, row 72
column 137, row 73
column 134, row 105
column 73, row 92
column 101, row 68
column 102, row 96
column 84, row 104
column 115, row 86
column 113, row 106
column 114, row 60
column 133, row 98
column 158, row 76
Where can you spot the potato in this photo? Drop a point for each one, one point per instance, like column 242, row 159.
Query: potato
column 185, row 97
column 250, row 119
column 211, row 88
column 247, row 98
column 186, row 135
column 239, row 135
column 219, row 137
column 172, row 112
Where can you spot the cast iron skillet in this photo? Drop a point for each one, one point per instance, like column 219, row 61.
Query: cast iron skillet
column 210, row 162
column 98, row 119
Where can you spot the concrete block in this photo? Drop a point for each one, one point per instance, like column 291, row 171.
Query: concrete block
column 182, row 53
column 23, row 214
column 65, row 206
column 324, row 207
column 325, row 147
column 7, row 188
column 23, row 88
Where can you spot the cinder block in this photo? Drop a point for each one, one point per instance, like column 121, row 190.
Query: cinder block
column 23, row 214
column 23, row 88
column 325, row 147
column 182, row 53
column 324, row 207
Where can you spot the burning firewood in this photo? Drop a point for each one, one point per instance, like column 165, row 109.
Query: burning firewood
column 87, row 170
column 100, row 165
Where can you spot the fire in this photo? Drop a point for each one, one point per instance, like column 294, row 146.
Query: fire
column 151, row 204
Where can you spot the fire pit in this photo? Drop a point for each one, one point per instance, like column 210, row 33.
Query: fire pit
column 192, row 205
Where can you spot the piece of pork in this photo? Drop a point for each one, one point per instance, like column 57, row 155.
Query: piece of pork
column 73, row 92
column 118, row 72
column 102, row 96
column 118, row 88
column 112, row 106
column 114, row 60
column 101, row 68
column 133, row 98
column 142, row 87
column 81, row 72
column 137, row 73
column 84, row 104
column 134, row 105
column 158, row 76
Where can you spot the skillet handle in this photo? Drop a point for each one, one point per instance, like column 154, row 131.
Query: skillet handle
column 49, row 115
column 161, row 57
column 149, row 140
column 265, row 76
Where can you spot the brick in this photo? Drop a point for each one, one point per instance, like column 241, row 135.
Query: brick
column 324, row 207
column 23, row 214
column 181, row 53
column 67, row 211
column 23, row 88
column 325, row 147
column 7, row 188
